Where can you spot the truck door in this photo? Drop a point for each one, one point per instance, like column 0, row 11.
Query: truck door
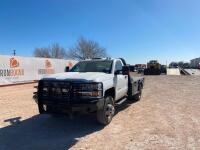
column 120, row 81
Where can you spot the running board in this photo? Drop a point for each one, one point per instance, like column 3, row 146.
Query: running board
column 121, row 101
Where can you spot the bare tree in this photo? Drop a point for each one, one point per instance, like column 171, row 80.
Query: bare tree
column 41, row 52
column 85, row 49
column 53, row 51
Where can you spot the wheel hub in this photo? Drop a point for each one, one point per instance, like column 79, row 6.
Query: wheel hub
column 110, row 110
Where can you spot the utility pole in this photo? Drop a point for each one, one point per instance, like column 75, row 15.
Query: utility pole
column 14, row 52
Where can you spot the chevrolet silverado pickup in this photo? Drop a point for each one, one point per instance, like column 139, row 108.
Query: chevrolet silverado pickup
column 94, row 85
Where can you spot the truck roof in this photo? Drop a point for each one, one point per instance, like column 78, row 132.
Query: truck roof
column 106, row 58
column 98, row 58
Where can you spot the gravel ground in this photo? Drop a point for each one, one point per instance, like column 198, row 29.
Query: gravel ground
column 166, row 117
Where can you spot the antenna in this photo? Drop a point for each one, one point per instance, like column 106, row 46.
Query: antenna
column 14, row 52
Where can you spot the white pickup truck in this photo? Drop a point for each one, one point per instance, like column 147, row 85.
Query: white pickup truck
column 94, row 85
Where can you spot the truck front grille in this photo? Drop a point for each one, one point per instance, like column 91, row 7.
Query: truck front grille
column 55, row 90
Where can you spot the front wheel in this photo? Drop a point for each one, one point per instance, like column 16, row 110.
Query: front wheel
column 105, row 115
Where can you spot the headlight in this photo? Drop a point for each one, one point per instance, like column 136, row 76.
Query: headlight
column 88, row 89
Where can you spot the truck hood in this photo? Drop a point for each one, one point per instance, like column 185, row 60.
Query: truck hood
column 81, row 76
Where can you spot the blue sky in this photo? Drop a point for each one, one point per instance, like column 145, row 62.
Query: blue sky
column 137, row 30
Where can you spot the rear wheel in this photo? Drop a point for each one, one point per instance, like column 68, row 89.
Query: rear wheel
column 105, row 115
column 137, row 97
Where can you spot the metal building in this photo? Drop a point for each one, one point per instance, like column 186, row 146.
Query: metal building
column 195, row 63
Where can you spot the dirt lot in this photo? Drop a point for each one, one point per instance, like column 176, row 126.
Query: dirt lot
column 167, row 117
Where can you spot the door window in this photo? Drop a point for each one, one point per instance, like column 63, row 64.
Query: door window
column 118, row 66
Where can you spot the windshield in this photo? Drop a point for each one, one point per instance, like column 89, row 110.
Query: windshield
column 93, row 66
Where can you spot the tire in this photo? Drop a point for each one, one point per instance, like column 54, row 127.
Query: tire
column 137, row 97
column 105, row 115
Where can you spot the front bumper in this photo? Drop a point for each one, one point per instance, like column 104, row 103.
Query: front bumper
column 58, row 95
column 73, row 105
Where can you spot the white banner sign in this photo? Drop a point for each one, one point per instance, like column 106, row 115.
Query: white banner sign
column 15, row 69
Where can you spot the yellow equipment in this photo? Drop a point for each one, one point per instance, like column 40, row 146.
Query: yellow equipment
column 153, row 68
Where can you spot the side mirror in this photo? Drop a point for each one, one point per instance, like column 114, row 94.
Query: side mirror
column 125, row 70
column 67, row 69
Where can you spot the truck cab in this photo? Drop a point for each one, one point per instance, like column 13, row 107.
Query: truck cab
column 93, row 85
